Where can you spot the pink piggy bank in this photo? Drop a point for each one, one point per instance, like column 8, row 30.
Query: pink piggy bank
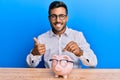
column 62, row 65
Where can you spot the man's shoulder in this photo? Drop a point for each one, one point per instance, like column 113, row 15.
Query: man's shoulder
column 45, row 34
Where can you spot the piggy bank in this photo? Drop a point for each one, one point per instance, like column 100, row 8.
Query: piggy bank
column 62, row 65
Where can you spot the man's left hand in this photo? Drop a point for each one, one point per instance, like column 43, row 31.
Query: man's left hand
column 73, row 47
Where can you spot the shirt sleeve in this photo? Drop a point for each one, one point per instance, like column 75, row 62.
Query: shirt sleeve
column 33, row 61
column 91, row 62
column 88, row 58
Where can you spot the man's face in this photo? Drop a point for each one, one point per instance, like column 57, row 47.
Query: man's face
column 58, row 19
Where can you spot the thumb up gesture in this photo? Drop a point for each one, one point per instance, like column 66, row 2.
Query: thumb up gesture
column 38, row 49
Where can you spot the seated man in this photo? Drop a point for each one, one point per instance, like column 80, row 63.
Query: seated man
column 61, row 40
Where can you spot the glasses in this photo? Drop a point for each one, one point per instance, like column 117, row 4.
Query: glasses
column 54, row 16
column 62, row 62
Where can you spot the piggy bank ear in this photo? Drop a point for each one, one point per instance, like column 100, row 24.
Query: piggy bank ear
column 66, row 57
column 54, row 56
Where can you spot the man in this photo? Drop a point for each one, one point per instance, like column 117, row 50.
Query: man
column 61, row 41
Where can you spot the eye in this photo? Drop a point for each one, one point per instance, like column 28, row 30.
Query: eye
column 54, row 61
column 62, row 16
column 53, row 16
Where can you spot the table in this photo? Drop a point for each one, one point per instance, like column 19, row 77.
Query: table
column 47, row 74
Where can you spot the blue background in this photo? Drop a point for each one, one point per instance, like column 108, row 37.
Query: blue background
column 21, row 20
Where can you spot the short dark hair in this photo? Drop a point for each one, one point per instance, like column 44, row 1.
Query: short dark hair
column 56, row 4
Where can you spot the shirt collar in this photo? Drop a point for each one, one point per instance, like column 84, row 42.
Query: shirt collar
column 66, row 33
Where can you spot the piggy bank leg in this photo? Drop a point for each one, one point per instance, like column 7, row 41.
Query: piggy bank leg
column 56, row 75
column 65, row 76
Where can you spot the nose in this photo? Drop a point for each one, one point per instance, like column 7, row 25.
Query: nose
column 58, row 19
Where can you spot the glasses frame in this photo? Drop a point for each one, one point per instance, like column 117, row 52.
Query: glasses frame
column 61, row 60
column 60, row 16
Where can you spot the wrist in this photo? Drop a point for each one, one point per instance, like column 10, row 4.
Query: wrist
column 33, row 52
column 80, row 53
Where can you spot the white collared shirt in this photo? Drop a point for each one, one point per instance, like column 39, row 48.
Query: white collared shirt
column 55, row 45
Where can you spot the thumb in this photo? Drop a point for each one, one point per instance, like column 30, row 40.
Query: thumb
column 64, row 49
column 36, row 41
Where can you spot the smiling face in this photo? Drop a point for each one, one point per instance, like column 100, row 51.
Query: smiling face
column 58, row 19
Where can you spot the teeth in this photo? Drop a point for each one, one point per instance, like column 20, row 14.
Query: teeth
column 58, row 25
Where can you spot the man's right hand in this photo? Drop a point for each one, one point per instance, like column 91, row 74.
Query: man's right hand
column 38, row 49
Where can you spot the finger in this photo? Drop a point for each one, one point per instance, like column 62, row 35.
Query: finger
column 36, row 41
column 74, row 51
column 73, row 48
column 69, row 46
column 41, row 46
column 66, row 47
column 42, row 51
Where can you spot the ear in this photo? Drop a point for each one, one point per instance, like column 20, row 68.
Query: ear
column 67, row 18
column 48, row 18
column 66, row 57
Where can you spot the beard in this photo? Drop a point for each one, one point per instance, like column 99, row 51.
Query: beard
column 57, row 29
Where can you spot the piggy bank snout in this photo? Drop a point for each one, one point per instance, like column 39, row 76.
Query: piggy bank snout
column 58, row 67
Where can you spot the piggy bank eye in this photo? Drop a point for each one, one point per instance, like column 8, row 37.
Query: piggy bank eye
column 63, row 63
column 54, row 61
